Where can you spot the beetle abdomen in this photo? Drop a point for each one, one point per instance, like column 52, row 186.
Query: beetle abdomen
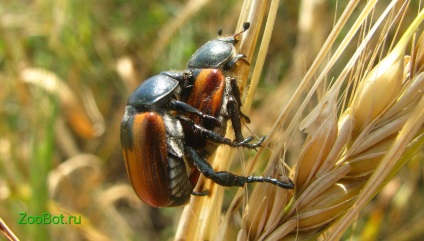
column 147, row 158
column 159, row 178
column 180, row 186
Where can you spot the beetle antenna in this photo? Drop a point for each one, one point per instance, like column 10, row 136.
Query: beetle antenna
column 246, row 26
column 220, row 32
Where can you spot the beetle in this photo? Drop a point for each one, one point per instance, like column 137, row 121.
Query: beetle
column 162, row 168
column 174, row 120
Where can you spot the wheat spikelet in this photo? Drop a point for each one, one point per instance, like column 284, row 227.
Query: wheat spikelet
column 339, row 168
column 340, row 154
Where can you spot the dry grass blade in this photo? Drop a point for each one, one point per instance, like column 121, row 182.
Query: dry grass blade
column 190, row 8
column 7, row 233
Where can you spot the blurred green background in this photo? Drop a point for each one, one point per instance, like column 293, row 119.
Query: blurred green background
column 66, row 70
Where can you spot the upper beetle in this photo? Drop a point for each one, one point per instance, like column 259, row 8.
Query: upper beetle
column 212, row 93
column 219, row 53
column 212, row 90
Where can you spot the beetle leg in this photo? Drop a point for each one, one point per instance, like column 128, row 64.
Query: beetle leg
column 215, row 137
column 229, row 179
column 233, row 106
column 235, row 118
column 234, row 60
column 184, row 107
column 222, row 178
column 236, row 93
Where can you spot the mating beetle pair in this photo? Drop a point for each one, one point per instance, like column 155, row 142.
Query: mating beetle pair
column 174, row 120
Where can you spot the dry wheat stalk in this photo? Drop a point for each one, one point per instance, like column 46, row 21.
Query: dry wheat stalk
column 6, row 232
column 345, row 160
column 199, row 220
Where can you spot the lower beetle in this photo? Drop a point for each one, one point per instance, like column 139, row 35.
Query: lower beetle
column 159, row 162
column 152, row 142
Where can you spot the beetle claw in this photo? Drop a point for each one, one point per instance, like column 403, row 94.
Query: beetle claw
column 201, row 193
column 258, row 144
column 245, row 143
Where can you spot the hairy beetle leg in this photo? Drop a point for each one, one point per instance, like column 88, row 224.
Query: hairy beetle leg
column 235, row 116
column 233, row 106
column 229, row 179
